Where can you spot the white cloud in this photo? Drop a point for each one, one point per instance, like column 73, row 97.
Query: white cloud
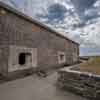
column 86, row 31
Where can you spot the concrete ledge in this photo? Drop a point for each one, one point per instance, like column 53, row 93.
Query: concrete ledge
column 16, row 75
column 26, row 72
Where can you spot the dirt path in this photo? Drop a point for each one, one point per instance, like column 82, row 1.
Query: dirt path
column 35, row 88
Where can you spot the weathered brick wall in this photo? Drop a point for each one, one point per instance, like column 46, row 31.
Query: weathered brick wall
column 15, row 30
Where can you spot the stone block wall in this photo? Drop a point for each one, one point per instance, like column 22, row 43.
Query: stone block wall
column 18, row 31
column 4, row 55
column 84, row 84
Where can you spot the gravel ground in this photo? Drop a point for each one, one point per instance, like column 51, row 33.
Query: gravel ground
column 35, row 88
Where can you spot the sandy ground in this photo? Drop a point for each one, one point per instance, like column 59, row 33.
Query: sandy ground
column 35, row 88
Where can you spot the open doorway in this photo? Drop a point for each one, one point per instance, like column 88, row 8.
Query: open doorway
column 25, row 58
column 22, row 59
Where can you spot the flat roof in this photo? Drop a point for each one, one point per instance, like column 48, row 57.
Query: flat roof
column 28, row 18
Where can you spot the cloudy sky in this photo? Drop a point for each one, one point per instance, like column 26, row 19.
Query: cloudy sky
column 77, row 19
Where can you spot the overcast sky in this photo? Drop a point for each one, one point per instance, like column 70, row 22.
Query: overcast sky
column 77, row 19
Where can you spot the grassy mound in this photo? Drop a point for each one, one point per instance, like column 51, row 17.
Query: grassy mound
column 93, row 65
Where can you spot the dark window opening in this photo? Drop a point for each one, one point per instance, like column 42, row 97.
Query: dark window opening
column 62, row 57
column 22, row 58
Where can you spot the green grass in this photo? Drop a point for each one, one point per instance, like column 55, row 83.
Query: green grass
column 93, row 65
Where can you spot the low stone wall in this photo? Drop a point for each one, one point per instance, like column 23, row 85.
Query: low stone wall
column 82, row 83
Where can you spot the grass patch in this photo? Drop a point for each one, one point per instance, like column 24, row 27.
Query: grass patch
column 93, row 65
